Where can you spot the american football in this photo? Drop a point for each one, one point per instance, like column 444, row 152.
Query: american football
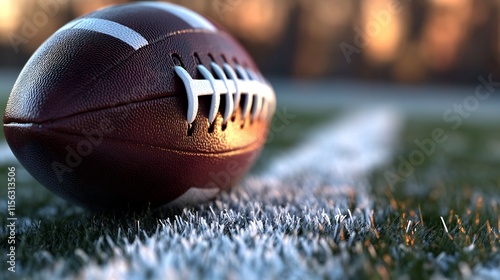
column 139, row 105
column 250, row 139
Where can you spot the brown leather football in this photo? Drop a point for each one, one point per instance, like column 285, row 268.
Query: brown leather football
column 139, row 105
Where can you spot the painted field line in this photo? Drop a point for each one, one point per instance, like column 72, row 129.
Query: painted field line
column 336, row 158
column 272, row 224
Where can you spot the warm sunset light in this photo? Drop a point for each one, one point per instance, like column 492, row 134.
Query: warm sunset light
column 250, row 139
column 10, row 11
column 445, row 32
column 313, row 38
column 258, row 20
column 319, row 27
column 84, row 7
column 382, row 22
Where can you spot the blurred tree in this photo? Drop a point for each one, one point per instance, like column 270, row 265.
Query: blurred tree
column 394, row 40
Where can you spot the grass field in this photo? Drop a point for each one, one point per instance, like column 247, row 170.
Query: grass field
column 334, row 215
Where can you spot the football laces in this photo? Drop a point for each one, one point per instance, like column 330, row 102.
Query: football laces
column 232, row 83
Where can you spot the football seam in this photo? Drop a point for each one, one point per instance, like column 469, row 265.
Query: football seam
column 117, row 105
column 100, row 74
column 228, row 152
column 81, row 113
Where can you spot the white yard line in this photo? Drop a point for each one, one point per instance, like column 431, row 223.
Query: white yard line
column 334, row 162
column 307, row 187
column 348, row 148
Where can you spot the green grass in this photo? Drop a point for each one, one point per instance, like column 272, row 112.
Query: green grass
column 293, row 133
column 460, row 184
column 53, row 225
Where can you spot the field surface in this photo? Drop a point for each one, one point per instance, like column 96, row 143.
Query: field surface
column 356, row 181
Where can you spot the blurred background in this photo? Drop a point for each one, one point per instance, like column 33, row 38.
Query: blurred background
column 402, row 41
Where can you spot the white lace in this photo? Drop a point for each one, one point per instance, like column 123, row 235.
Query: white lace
column 255, row 87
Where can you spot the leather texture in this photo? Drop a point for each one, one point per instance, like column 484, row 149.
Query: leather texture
column 104, row 125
